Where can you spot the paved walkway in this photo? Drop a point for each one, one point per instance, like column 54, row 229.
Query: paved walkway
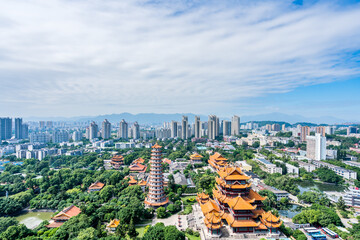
column 177, row 220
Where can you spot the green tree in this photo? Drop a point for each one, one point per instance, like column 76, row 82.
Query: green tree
column 341, row 204
column 132, row 231
column 87, row 234
column 172, row 233
column 6, row 222
column 161, row 212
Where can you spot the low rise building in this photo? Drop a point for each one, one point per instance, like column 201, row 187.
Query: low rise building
column 345, row 173
column 267, row 166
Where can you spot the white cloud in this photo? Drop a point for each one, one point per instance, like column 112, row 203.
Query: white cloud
column 93, row 57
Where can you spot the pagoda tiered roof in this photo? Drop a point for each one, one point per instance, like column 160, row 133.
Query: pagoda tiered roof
column 217, row 161
column 270, row 221
column 255, row 196
column 157, row 146
column 232, row 173
column 202, row 197
column 238, row 203
column 235, row 185
column 240, row 223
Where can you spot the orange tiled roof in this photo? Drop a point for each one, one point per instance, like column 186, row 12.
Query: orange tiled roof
column 269, row 217
column 196, row 155
column 67, row 213
column 238, row 203
column 213, row 220
column 166, row 160
column 202, row 197
column 255, row 195
column 220, row 197
column 209, row 206
column 142, row 182
column 137, row 167
column 114, row 223
column 55, row 224
column 261, row 227
column 132, row 180
column 139, row 160
column 97, row 185
column 232, row 173
column 117, row 158
column 235, row 185
column 240, row 223
column 156, row 146
column 218, row 157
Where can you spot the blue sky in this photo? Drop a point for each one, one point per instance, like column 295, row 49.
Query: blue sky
column 92, row 57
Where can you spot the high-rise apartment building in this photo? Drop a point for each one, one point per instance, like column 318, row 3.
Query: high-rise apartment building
column 49, row 124
column 184, row 128
column 123, row 130
column 174, row 129
column 93, row 130
column 235, row 125
column 18, row 128
column 275, row 127
column 283, row 127
column 197, row 127
column 226, row 128
column 321, row 130
column 76, row 136
column 42, row 124
column 213, row 127
column 25, row 131
column 316, row 147
column 106, row 129
column 5, row 128
column 60, row 136
column 136, row 130
column 351, row 130
column 304, row 132
column 330, row 130
column 156, row 196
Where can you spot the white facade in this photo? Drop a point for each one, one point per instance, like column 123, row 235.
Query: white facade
column 316, row 147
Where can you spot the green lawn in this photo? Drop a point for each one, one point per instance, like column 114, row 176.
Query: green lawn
column 140, row 230
column 192, row 237
column 187, row 197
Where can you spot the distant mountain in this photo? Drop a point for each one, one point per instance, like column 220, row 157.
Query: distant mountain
column 159, row 118
column 291, row 118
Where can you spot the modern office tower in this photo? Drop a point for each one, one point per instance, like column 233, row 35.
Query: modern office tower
column 93, row 130
column 25, row 131
column 184, row 127
column 316, row 147
column 60, row 136
column 18, row 128
column 49, row 124
column 123, row 130
column 156, row 196
column 197, row 127
column 226, row 128
column 305, row 131
column 136, row 130
column 213, row 127
column 5, row 128
column 329, row 130
column 321, row 130
column 76, row 136
column 351, row 130
column 174, row 129
column 235, row 125
column 275, row 127
column 106, row 129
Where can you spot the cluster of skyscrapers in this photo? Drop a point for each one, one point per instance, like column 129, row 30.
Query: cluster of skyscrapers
column 21, row 131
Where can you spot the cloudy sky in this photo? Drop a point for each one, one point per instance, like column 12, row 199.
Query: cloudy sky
column 92, row 57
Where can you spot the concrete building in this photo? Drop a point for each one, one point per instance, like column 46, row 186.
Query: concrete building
column 352, row 197
column 184, row 128
column 106, row 129
column 197, row 127
column 235, row 125
column 40, row 137
column 136, row 131
column 291, row 169
column 307, row 166
column 305, row 131
column 330, row 130
column 123, row 130
column 76, row 136
column 351, row 130
column 93, row 130
column 267, row 166
column 316, row 147
column 5, row 128
column 226, row 128
column 275, row 127
column 60, row 136
column 345, row 173
column 321, row 130
column 213, row 127
column 174, row 129
column 18, row 128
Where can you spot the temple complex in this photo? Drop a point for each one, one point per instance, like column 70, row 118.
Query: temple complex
column 217, row 161
column 235, row 204
column 156, row 196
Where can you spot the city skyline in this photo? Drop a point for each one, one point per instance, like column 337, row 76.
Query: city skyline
column 225, row 58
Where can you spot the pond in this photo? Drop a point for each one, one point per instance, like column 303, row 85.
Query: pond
column 323, row 187
column 290, row 213
column 33, row 219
